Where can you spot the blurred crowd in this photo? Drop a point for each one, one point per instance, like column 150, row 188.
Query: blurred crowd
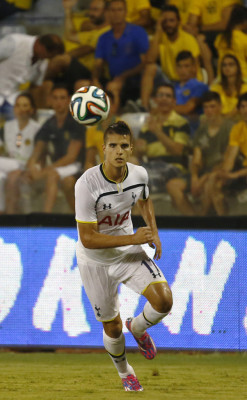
column 175, row 70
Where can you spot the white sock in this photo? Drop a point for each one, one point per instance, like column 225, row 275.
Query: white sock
column 147, row 318
column 116, row 350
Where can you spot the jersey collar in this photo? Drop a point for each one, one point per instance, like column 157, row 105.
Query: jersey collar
column 126, row 173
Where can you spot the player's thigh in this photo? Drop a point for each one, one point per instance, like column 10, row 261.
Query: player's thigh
column 101, row 289
column 143, row 272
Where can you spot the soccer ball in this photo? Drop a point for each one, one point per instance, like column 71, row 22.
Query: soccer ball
column 89, row 105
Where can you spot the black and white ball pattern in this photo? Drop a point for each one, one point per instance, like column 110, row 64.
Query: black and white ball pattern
column 89, row 105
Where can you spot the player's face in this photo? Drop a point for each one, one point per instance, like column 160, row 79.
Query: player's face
column 243, row 110
column 117, row 149
column 117, row 12
column 60, row 100
column 212, row 110
column 186, row 69
column 23, row 108
column 165, row 99
column 170, row 22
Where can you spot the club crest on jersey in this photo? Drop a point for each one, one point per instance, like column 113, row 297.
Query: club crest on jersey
column 107, row 207
column 113, row 220
column 134, row 199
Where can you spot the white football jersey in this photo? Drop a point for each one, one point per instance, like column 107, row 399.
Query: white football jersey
column 107, row 203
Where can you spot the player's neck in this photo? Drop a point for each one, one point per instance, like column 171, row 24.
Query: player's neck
column 115, row 174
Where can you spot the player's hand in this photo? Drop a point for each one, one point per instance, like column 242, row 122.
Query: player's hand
column 143, row 235
column 156, row 244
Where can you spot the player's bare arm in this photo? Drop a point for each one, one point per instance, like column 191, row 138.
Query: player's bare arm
column 147, row 211
column 92, row 239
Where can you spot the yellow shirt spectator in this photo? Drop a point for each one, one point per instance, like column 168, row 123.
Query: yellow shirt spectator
column 169, row 51
column 24, row 4
column 229, row 103
column 238, row 137
column 176, row 127
column 210, row 11
column 134, row 7
column 238, row 48
column 89, row 38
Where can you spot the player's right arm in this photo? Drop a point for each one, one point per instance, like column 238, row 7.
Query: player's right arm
column 92, row 239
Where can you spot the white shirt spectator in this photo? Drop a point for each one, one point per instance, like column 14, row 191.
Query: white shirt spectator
column 16, row 67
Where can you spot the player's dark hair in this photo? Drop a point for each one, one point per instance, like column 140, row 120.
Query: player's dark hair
column 165, row 85
column 52, row 43
column 211, row 96
column 171, row 8
column 242, row 98
column 120, row 128
column 184, row 55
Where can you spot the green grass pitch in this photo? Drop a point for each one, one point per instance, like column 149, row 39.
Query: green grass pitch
column 92, row 376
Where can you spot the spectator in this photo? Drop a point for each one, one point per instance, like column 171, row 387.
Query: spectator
column 22, row 59
column 183, row 7
column 168, row 41
column 138, row 13
column 17, row 138
column 230, row 172
column 82, row 44
column 188, row 90
column 234, row 39
column 66, row 139
column 122, row 50
column 231, row 84
column 208, row 16
column 162, row 146
column 210, row 143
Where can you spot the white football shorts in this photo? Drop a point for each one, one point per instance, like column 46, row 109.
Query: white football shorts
column 137, row 271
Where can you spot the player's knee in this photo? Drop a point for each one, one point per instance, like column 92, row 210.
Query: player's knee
column 113, row 328
column 164, row 303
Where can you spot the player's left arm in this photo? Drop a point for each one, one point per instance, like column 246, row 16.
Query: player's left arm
column 147, row 211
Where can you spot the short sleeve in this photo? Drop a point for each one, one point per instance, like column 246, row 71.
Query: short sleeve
column 78, row 132
column 195, row 8
column 234, row 136
column 43, row 133
column 84, row 203
column 145, row 191
column 141, row 39
column 99, row 52
column 200, row 89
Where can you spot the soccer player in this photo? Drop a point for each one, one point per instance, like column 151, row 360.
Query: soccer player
column 109, row 253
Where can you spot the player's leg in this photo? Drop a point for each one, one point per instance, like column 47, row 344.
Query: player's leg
column 101, row 289
column 114, row 342
column 148, row 280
